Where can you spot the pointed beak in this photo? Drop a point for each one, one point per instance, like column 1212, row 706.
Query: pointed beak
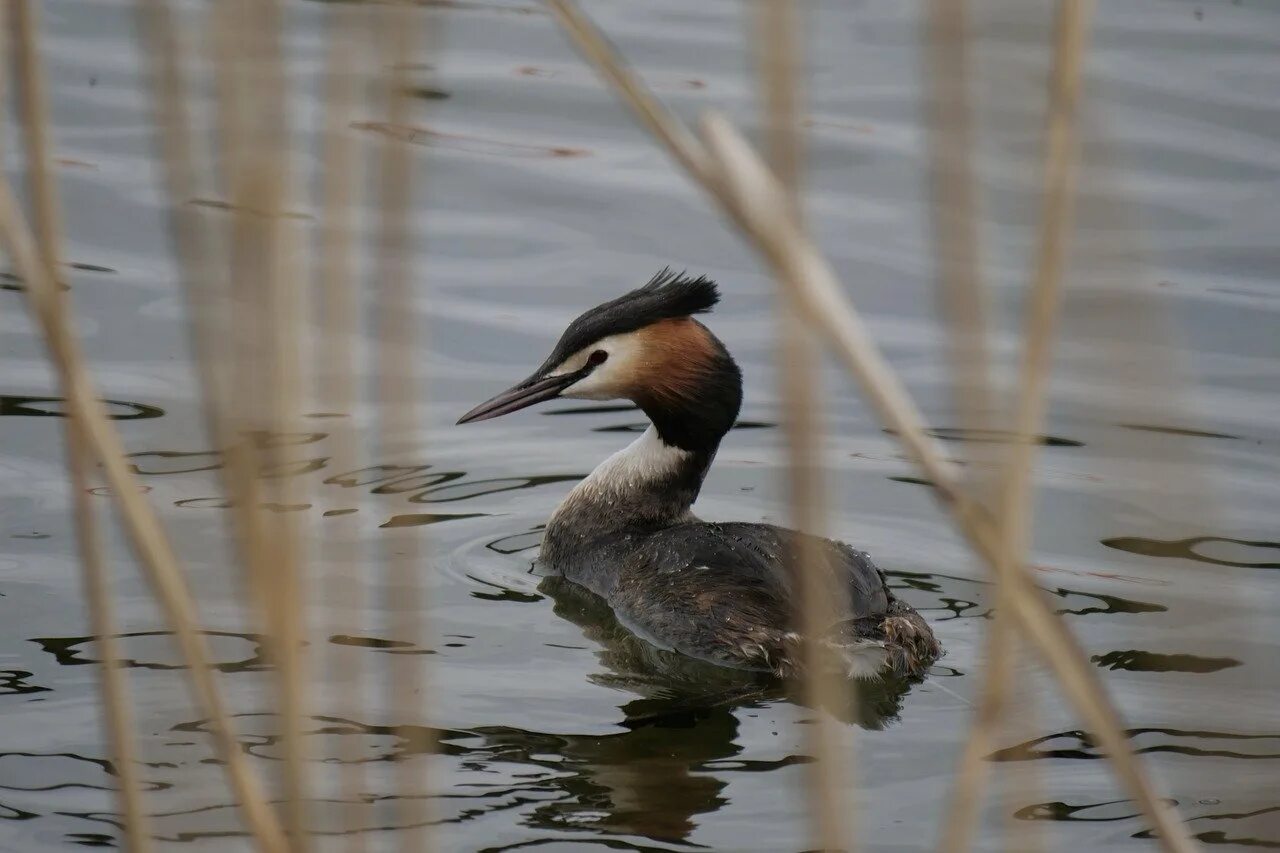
column 532, row 390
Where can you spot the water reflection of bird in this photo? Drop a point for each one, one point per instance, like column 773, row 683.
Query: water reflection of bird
column 719, row 592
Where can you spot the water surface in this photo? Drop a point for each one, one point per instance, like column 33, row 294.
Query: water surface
column 555, row 729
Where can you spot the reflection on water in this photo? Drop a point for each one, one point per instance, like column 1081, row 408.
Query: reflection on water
column 1081, row 745
column 1136, row 660
column 229, row 651
column 1194, row 547
column 15, row 681
column 12, row 405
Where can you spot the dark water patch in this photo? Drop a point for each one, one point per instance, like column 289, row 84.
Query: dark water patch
column 1105, row 604
column 607, row 409
column 1078, row 744
column 380, row 644
column 517, row 542
column 75, row 651
column 55, row 407
column 1186, row 549
column 420, row 519
column 427, row 93
column 1136, row 660
column 1183, row 431
column 83, row 267
column 418, row 135
column 32, row 535
column 204, row 503
column 1262, row 818
column 915, row 481
column 1107, row 812
column 992, row 436
column 13, row 682
column 155, row 462
column 92, row 839
column 326, row 415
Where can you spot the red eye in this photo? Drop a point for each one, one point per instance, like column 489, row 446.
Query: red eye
column 596, row 358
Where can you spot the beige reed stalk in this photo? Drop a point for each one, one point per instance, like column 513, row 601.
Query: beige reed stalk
column 42, row 189
column 1016, row 493
column 398, row 426
column 751, row 197
column 265, row 284
column 336, row 389
column 778, row 35
column 954, row 211
column 179, row 151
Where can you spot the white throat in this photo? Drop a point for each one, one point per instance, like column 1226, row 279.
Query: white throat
column 645, row 461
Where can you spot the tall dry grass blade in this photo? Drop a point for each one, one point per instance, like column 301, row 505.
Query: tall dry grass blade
column 338, row 305
column 780, row 54
column 48, row 218
column 398, row 385
column 750, row 196
column 265, row 283
column 1016, row 500
column 145, row 531
column 177, row 150
column 954, row 213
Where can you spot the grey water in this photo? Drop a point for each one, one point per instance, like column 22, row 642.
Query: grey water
column 1156, row 532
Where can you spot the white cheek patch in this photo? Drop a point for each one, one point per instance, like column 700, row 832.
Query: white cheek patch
column 608, row 381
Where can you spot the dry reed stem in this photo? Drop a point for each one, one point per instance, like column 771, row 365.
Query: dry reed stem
column 750, row 196
column 176, row 150
column 336, row 389
column 779, row 54
column 253, row 113
column 47, row 217
column 954, row 213
column 145, row 531
column 1015, row 506
column 264, row 205
column 398, row 395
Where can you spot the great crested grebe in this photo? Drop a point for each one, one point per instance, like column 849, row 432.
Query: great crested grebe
column 721, row 592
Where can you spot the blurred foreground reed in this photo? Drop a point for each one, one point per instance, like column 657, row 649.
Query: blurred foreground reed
column 247, row 286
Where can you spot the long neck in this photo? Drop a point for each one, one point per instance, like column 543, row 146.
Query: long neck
column 653, row 482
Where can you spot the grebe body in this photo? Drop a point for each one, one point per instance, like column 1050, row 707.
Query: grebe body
column 722, row 592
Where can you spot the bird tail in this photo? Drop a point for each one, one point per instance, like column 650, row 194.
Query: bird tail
column 898, row 642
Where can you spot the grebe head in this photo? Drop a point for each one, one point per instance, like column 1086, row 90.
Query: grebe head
column 645, row 347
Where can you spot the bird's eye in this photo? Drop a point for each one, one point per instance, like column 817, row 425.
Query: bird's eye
column 596, row 358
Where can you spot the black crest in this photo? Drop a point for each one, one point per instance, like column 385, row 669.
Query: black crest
column 668, row 294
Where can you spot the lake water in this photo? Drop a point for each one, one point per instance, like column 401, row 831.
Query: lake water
column 542, row 198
